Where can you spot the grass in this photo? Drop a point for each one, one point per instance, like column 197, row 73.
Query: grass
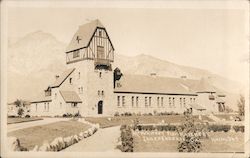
column 119, row 120
column 13, row 120
column 208, row 145
column 29, row 137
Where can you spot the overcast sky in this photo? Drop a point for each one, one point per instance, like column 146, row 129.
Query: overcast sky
column 212, row 39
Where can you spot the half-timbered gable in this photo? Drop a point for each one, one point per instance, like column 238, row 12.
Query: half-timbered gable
column 91, row 42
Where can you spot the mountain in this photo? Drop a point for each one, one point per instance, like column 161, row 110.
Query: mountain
column 34, row 60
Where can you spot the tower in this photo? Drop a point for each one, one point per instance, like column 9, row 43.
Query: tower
column 91, row 53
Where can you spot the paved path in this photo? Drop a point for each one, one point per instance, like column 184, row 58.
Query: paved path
column 104, row 140
column 17, row 126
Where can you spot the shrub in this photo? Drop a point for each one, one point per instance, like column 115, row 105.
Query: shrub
column 20, row 111
column 116, row 114
column 27, row 116
column 239, row 128
column 219, row 128
column 189, row 142
column 126, row 139
column 77, row 114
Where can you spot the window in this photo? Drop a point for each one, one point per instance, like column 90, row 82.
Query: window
column 146, row 101
column 102, row 93
column 76, row 54
column 55, row 95
column 169, row 102
column 79, row 75
column 123, row 101
column 118, row 101
column 158, row 101
column 99, row 93
column 191, row 100
column 73, row 105
column 173, row 102
column 44, row 107
column 60, row 104
column 48, row 107
column 100, row 74
column 162, row 101
column 137, row 101
column 100, row 33
column 132, row 101
column 181, row 102
column 70, row 80
column 149, row 101
column 184, row 102
column 100, row 52
column 194, row 100
column 79, row 90
column 36, row 107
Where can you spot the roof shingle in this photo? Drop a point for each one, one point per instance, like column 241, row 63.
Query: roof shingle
column 70, row 97
column 62, row 78
column 83, row 34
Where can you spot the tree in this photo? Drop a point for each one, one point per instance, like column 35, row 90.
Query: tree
column 190, row 134
column 241, row 105
column 20, row 111
column 18, row 103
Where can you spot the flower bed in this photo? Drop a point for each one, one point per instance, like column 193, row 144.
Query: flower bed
column 169, row 127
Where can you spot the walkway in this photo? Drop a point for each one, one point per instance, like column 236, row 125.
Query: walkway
column 17, row 126
column 104, row 140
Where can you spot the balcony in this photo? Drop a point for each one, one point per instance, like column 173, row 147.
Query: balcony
column 102, row 63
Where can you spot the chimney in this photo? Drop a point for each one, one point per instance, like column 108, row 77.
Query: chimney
column 153, row 74
column 57, row 76
column 184, row 77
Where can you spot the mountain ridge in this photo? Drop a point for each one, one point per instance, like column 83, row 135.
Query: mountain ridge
column 35, row 59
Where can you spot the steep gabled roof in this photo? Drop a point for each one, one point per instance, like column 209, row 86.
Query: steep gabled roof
column 83, row 34
column 70, row 97
column 149, row 84
column 41, row 98
column 62, row 78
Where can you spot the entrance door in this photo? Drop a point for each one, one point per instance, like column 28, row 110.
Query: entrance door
column 100, row 107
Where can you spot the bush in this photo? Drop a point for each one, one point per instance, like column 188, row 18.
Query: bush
column 116, row 114
column 219, row 128
column 67, row 115
column 77, row 114
column 239, row 128
column 27, row 116
column 126, row 139
column 20, row 111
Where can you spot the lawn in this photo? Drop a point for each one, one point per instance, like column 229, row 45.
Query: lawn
column 119, row 120
column 29, row 137
column 167, row 142
column 11, row 120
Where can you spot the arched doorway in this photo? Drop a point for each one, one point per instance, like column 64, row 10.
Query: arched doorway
column 100, row 107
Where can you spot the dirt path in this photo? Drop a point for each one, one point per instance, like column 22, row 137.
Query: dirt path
column 17, row 126
column 104, row 140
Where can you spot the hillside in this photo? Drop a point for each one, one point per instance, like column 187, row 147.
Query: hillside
column 35, row 59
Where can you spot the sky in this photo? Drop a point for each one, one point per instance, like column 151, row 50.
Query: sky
column 214, row 39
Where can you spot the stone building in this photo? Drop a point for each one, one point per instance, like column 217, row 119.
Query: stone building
column 91, row 86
